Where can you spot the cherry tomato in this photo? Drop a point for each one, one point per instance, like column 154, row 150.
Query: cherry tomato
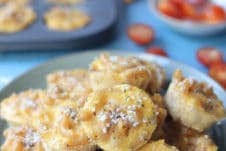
column 188, row 10
column 169, row 8
column 208, row 56
column 197, row 2
column 177, row 2
column 157, row 51
column 218, row 73
column 141, row 34
column 214, row 14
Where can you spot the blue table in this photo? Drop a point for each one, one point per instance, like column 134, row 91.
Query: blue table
column 179, row 47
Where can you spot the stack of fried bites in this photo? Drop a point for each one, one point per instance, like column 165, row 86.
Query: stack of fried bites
column 115, row 105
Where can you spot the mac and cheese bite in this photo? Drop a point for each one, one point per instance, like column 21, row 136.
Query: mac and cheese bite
column 76, row 80
column 66, row 132
column 119, row 118
column 22, row 138
column 31, row 107
column 15, row 17
column 159, row 145
column 187, row 139
column 21, row 2
column 66, row 2
column 134, row 71
column 188, row 101
column 65, row 19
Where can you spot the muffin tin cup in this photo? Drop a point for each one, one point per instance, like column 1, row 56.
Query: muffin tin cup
column 103, row 14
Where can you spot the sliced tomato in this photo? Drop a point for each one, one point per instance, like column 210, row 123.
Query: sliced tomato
column 218, row 72
column 157, row 51
column 141, row 34
column 214, row 14
column 208, row 56
column 170, row 9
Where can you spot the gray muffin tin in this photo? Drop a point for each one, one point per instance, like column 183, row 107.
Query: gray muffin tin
column 103, row 15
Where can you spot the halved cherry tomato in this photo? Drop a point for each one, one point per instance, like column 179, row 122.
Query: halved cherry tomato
column 197, row 2
column 208, row 56
column 188, row 10
column 218, row 73
column 157, row 51
column 169, row 8
column 176, row 2
column 141, row 34
column 214, row 14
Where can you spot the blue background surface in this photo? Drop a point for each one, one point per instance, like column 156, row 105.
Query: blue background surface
column 179, row 47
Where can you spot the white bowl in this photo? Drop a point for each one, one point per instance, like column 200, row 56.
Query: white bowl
column 187, row 27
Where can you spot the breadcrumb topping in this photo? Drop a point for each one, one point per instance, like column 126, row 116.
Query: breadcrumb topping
column 71, row 113
column 31, row 138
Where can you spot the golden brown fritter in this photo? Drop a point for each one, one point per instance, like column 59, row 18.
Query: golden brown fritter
column 158, row 100
column 69, row 84
column 31, row 107
column 66, row 132
column 76, row 81
column 65, row 19
column 20, row 2
column 159, row 145
column 22, row 138
column 15, row 17
column 119, row 118
column 65, row 2
column 187, row 139
column 193, row 103
column 131, row 70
